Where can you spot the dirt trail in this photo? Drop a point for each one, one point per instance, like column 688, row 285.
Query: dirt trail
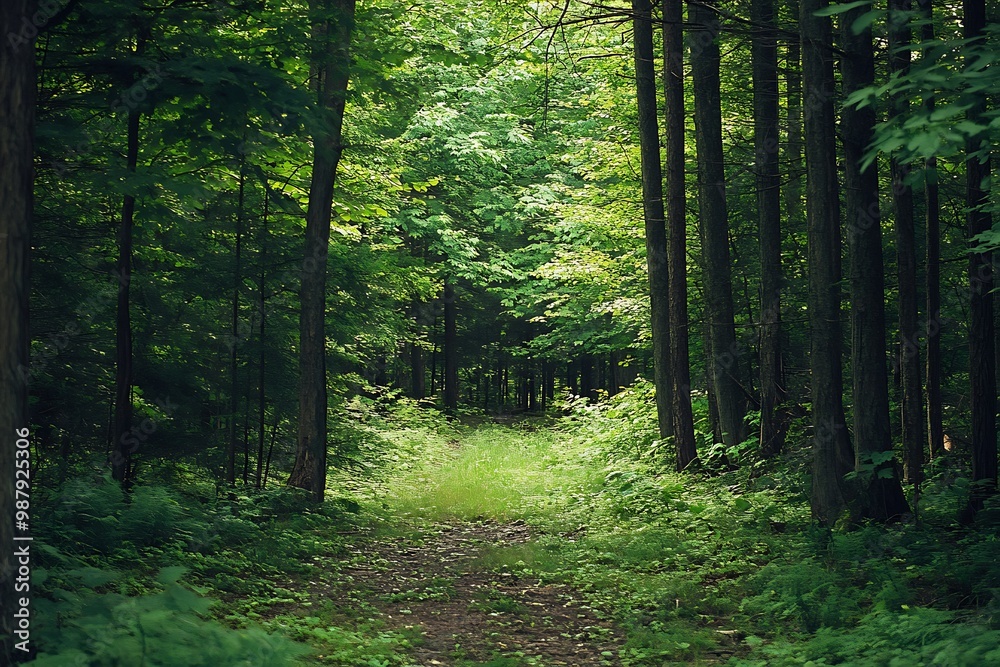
column 467, row 615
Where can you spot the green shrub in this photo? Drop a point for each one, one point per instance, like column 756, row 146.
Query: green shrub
column 84, row 627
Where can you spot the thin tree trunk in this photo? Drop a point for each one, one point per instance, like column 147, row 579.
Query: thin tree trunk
column 652, row 206
column 125, row 443
column 765, row 90
column 676, row 210
column 270, row 449
column 450, row 348
column 17, row 127
column 884, row 497
column 234, row 341
column 932, row 206
column 982, row 357
column 333, row 22
column 724, row 360
column 832, row 455
column 262, row 356
column 418, row 370
column 906, row 261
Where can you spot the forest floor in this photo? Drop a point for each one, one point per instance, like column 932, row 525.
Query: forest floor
column 435, row 585
column 468, row 564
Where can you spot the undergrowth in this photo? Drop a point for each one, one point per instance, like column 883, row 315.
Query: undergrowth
column 717, row 565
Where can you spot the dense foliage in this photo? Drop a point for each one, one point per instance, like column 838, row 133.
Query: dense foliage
column 466, row 195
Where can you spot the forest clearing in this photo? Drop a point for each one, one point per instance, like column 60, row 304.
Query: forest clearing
column 510, row 333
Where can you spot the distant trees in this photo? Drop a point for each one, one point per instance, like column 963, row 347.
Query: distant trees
column 482, row 246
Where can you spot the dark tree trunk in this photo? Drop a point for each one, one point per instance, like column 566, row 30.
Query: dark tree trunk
column 714, row 218
column 418, row 370
column 982, row 356
column 450, row 348
column 906, row 261
column 125, row 443
column 234, row 341
column 765, row 91
column 883, row 497
column 588, row 387
column 333, row 22
column 434, row 355
column 262, row 354
column 676, row 209
column 17, row 127
column 792, row 188
column 832, row 455
column 652, row 206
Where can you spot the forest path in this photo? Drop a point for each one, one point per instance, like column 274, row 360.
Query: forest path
column 432, row 586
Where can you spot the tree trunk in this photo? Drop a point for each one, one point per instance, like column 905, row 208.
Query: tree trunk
column 982, row 357
column 450, row 348
column 333, row 22
column 125, row 443
column 234, row 341
column 677, row 301
column 418, row 370
column 884, row 497
column 724, row 360
column 17, row 126
column 906, row 261
column 262, row 356
column 765, row 91
column 652, row 207
column 832, row 456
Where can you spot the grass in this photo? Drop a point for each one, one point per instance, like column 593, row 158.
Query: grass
column 497, row 473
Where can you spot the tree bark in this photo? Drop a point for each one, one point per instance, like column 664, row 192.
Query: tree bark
column 450, row 348
column 17, row 126
column 982, row 355
column 932, row 221
column 883, row 499
column 676, row 209
column 765, row 94
column 832, row 456
column 235, row 322
column 906, row 262
column 125, row 443
column 652, row 207
column 262, row 341
column 333, row 22
column 724, row 359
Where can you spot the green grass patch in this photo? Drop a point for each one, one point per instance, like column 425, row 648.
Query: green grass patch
column 495, row 473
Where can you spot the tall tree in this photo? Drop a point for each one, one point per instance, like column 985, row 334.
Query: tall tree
column 235, row 323
column 714, row 217
column 17, row 124
column 332, row 26
column 765, row 104
column 124, row 443
column 832, row 455
column 652, row 206
column 932, row 236
column 906, row 260
column 676, row 208
column 872, row 435
column 982, row 355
